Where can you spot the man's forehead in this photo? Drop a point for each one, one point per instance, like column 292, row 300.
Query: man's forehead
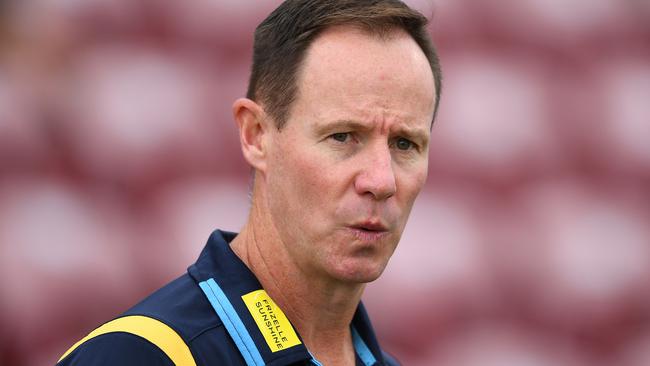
column 344, row 49
column 338, row 35
column 347, row 65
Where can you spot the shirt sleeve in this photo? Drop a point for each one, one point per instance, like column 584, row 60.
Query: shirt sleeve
column 117, row 349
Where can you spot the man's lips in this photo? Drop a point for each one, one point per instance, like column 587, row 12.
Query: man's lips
column 369, row 231
column 375, row 226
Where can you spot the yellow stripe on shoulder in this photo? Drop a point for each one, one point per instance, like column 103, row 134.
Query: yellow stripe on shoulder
column 155, row 331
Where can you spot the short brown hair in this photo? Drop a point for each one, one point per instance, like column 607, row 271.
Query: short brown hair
column 282, row 39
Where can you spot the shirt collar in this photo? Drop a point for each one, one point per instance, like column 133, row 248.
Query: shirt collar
column 217, row 261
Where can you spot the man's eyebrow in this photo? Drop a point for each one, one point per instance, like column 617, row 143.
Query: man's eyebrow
column 342, row 125
column 421, row 135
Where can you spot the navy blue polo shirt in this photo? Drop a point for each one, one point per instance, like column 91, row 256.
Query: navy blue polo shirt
column 194, row 304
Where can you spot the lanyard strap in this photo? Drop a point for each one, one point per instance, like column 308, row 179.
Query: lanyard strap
column 232, row 322
column 362, row 349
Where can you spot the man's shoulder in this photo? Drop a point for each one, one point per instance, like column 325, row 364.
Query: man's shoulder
column 180, row 307
column 117, row 348
column 213, row 347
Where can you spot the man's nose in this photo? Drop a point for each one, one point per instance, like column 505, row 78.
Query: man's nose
column 376, row 176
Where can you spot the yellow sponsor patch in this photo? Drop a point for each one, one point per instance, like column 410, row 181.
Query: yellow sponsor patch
column 273, row 324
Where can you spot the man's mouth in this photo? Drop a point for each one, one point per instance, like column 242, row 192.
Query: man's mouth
column 369, row 230
column 369, row 226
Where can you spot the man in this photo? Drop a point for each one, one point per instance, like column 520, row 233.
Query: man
column 336, row 127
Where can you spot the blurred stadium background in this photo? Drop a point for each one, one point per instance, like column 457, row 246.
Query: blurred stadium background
column 530, row 244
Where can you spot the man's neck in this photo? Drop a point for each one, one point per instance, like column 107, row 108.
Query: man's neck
column 320, row 308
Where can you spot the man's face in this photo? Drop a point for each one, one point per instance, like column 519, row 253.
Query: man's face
column 345, row 169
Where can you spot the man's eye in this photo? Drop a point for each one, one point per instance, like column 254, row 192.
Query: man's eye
column 404, row 144
column 340, row 136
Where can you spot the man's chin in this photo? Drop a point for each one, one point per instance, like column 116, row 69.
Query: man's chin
column 359, row 273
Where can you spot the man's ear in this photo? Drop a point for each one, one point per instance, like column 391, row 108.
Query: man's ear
column 253, row 130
